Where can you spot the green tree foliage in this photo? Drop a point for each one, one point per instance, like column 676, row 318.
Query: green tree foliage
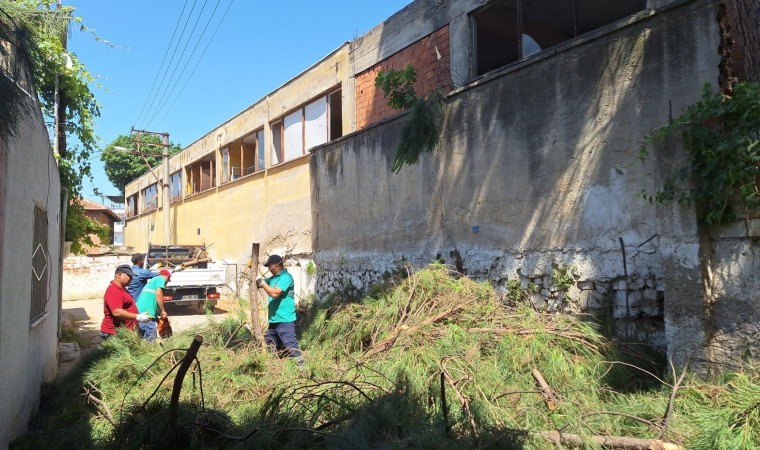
column 722, row 172
column 36, row 31
column 422, row 129
column 123, row 167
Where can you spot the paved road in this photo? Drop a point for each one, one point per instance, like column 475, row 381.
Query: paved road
column 86, row 315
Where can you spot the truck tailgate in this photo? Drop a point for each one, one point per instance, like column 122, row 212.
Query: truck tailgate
column 197, row 277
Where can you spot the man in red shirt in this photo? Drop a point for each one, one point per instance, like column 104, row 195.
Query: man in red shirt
column 119, row 307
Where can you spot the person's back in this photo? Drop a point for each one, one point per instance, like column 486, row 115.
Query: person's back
column 141, row 276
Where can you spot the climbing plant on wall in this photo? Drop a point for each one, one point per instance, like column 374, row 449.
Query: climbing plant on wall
column 35, row 32
column 422, row 129
column 721, row 174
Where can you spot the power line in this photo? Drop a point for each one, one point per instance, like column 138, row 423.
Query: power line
column 184, row 27
column 174, row 33
column 200, row 58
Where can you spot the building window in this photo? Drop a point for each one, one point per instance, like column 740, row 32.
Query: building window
column 150, row 198
column 40, row 264
column 243, row 157
column 309, row 126
column 507, row 31
column 226, row 175
column 132, row 206
column 201, row 175
column 175, row 186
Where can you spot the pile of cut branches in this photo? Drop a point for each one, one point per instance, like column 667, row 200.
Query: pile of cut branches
column 436, row 361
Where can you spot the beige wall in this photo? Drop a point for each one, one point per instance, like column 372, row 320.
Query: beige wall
column 271, row 207
column 28, row 352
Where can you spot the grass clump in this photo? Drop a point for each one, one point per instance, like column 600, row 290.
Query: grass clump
column 436, row 361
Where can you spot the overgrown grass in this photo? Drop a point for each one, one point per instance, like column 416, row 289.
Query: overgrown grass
column 433, row 362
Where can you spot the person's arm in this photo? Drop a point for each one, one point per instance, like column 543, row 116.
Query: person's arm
column 277, row 291
column 273, row 292
column 160, row 301
column 123, row 314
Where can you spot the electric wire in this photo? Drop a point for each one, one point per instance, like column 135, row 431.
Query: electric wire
column 166, row 53
column 171, row 60
column 163, row 102
column 176, row 67
column 190, row 76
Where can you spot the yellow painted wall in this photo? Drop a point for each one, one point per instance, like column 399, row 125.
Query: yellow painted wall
column 271, row 207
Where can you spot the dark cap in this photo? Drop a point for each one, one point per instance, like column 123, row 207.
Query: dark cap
column 273, row 259
column 124, row 268
column 136, row 257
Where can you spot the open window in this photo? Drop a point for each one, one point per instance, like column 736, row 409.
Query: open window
column 243, row 157
column 313, row 124
column 200, row 175
column 150, row 198
column 507, row 31
column 175, row 186
column 132, row 206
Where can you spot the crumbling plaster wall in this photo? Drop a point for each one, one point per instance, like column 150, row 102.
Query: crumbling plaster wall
column 536, row 170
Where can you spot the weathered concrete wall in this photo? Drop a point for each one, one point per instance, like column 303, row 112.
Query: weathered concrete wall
column 733, row 311
column 28, row 351
column 536, row 170
column 88, row 276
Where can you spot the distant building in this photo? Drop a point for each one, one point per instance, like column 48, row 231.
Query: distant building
column 117, row 206
column 103, row 215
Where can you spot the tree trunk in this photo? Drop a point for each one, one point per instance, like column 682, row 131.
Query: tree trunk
column 253, row 295
column 744, row 17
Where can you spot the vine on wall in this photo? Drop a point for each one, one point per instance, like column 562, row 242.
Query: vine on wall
column 422, row 129
column 721, row 175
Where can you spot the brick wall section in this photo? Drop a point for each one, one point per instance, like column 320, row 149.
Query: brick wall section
column 432, row 73
column 88, row 276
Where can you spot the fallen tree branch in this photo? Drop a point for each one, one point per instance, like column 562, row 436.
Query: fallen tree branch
column 546, row 390
column 612, row 413
column 669, row 409
column 614, row 442
column 99, row 404
column 388, row 342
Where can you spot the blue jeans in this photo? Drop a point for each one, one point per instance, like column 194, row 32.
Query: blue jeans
column 148, row 330
column 282, row 336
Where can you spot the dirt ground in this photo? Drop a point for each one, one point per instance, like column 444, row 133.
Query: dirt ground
column 82, row 318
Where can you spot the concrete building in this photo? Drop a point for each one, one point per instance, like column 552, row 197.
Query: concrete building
column 535, row 174
column 102, row 215
column 30, row 268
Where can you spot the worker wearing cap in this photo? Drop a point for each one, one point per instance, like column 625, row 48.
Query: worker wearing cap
column 141, row 275
column 151, row 303
column 119, row 307
column 281, row 333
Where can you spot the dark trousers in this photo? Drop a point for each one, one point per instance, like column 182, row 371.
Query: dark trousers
column 282, row 336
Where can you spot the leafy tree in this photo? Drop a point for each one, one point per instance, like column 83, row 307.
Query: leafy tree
column 36, row 31
column 123, row 167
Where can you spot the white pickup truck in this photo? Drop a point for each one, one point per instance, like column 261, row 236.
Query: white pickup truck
column 196, row 279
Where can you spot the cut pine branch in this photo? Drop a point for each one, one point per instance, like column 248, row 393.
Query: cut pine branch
column 613, row 442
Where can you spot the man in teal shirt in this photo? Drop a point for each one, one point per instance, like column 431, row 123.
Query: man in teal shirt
column 151, row 302
column 281, row 334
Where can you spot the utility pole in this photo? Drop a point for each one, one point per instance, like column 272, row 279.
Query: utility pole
column 166, row 187
column 165, row 183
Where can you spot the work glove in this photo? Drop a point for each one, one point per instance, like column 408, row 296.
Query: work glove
column 259, row 281
column 142, row 317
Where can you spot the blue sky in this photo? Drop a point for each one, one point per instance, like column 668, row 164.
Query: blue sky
column 258, row 47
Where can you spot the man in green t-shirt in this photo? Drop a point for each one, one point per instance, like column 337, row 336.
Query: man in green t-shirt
column 151, row 302
column 281, row 334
